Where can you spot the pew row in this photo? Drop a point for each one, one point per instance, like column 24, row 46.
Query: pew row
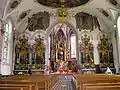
column 43, row 82
column 97, row 80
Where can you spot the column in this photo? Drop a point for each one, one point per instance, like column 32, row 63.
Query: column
column 96, row 53
column 15, row 34
column 6, row 61
column 1, row 39
column 47, row 62
column 30, row 57
column 115, row 52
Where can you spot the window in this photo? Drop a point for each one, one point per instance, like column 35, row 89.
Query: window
column 73, row 46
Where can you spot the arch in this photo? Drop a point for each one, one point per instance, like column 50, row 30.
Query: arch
column 100, row 34
column 86, row 33
column 42, row 33
column 61, row 46
column 49, row 30
column 25, row 33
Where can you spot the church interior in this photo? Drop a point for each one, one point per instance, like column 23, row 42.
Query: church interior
column 59, row 44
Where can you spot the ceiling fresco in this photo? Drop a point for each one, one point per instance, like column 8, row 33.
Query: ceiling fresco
column 67, row 3
column 38, row 21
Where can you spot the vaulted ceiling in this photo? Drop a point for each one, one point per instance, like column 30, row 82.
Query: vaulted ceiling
column 19, row 10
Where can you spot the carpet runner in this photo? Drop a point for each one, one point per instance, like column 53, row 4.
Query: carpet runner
column 65, row 82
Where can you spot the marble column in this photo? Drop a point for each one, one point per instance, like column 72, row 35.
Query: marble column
column 96, row 53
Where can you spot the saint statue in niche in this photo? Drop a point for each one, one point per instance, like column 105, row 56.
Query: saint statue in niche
column 60, row 55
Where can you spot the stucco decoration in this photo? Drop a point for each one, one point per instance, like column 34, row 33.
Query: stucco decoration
column 13, row 4
column 38, row 21
column 67, row 3
column 86, row 21
column 105, row 13
column 23, row 15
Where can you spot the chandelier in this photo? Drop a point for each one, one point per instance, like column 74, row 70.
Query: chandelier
column 62, row 12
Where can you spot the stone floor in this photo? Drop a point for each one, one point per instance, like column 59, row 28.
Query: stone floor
column 65, row 82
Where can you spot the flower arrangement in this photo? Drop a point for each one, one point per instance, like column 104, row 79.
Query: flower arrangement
column 63, row 65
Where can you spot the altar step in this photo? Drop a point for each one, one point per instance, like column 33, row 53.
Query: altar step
column 64, row 83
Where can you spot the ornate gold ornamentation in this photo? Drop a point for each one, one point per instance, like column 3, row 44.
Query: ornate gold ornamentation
column 86, row 49
column 105, row 50
column 62, row 12
column 39, row 46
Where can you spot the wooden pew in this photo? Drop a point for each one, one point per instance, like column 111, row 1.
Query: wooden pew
column 27, row 86
column 100, row 84
column 95, row 78
column 12, row 88
column 15, row 87
column 102, row 88
column 40, row 81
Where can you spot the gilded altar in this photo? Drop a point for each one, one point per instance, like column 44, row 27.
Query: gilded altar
column 29, row 55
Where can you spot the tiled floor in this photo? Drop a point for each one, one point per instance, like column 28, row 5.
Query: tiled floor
column 64, row 83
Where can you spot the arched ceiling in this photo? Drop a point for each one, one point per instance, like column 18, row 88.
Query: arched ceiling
column 19, row 10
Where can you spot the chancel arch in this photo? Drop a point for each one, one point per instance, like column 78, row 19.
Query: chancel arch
column 61, row 46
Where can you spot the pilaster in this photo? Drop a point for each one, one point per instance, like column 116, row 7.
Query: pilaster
column 96, row 53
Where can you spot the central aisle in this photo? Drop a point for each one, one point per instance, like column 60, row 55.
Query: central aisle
column 65, row 82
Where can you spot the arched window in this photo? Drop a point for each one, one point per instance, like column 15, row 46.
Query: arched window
column 73, row 46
